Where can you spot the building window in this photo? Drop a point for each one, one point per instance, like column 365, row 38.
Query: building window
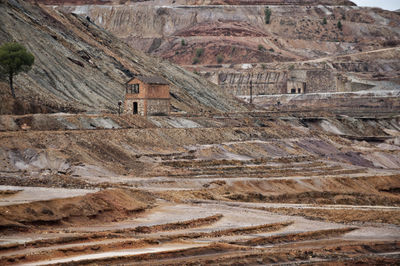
column 135, row 88
column 293, row 91
column 299, row 90
column 132, row 89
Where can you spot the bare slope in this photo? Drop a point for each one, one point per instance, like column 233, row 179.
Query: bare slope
column 238, row 32
column 80, row 66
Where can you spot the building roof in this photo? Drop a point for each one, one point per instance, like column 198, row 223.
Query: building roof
column 151, row 80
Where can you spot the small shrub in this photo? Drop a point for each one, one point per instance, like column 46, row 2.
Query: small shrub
column 196, row 60
column 291, row 67
column 199, row 52
column 271, row 50
column 220, row 59
column 267, row 15
column 263, row 66
column 390, row 43
column 261, row 48
column 324, row 21
column 183, row 43
column 339, row 25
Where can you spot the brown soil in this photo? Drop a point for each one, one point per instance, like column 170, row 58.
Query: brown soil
column 103, row 206
column 180, row 225
column 295, row 237
column 370, row 190
column 56, row 180
column 343, row 216
column 124, row 240
column 223, row 254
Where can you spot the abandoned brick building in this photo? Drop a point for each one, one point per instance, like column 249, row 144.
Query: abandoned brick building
column 147, row 95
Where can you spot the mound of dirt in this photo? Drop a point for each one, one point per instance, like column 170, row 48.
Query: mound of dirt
column 106, row 205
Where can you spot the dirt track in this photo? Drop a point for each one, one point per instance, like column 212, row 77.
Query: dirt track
column 243, row 189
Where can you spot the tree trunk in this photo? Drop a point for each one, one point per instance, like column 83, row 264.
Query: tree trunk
column 10, row 77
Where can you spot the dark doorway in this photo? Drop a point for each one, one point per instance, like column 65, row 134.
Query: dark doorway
column 135, row 108
column 293, row 91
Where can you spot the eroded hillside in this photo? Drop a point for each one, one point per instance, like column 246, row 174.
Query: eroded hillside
column 238, row 33
column 79, row 66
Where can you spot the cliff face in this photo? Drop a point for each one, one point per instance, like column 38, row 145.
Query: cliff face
column 268, row 2
column 238, row 33
column 79, row 66
column 201, row 2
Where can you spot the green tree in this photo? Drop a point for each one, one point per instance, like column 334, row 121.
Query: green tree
column 14, row 58
column 324, row 21
column 183, row 43
column 339, row 25
column 267, row 13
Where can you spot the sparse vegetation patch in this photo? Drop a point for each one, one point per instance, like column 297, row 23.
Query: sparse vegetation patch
column 267, row 15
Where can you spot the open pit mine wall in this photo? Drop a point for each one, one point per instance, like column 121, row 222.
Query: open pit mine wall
column 202, row 2
column 268, row 2
column 148, row 26
column 272, row 82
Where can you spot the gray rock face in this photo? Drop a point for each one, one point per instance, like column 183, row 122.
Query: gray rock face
column 81, row 66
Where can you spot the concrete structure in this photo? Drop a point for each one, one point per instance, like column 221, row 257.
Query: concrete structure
column 147, row 95
column 296, row 82
column 296, row 87
column 264, row 83
column 269, row 82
